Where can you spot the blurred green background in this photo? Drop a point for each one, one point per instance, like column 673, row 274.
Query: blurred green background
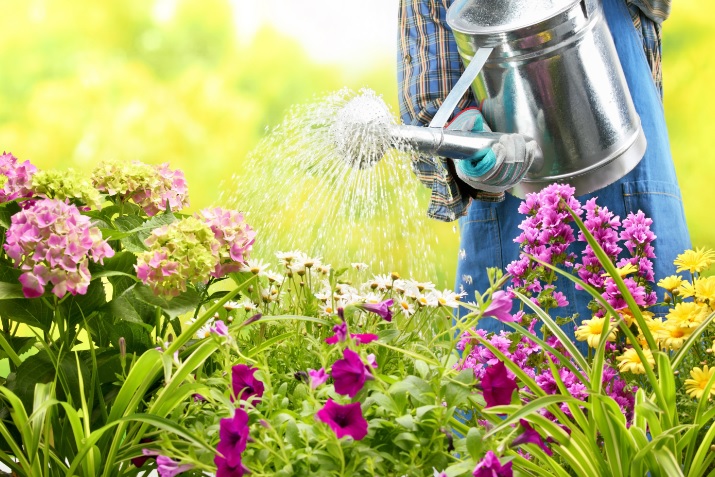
column 85, row 81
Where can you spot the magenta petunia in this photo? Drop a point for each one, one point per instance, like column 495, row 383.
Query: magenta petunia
column 490, row 466
column 224, row 469
column 317, row 377
column 530, row 436
column 167, row 467
column 233, row 436
column 500, row 306
column 382, row 308
column 498, row 385
column 244, row 383
column 219, row 328
column 341, row 334
column 350, row 373
column 344, row 419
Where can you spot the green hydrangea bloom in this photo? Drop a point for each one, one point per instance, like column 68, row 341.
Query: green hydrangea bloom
column 183, row 252
column 68, row 184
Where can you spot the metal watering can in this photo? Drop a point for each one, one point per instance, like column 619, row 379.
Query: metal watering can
column 547, row 69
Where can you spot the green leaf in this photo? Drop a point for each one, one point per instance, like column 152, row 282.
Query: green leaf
column 9, row 291
column 406, row 421
column 39, row 368
column 137, row 336
column 415, row 387
column 19, row 344
column 456, row 392
column 75, row 308
column 33, row 312
column 177, row 306
column 139, row 230
column 475, row 443
column 128, row 308
column 7, row 210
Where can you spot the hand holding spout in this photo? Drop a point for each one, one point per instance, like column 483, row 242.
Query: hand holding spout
column 503, row 165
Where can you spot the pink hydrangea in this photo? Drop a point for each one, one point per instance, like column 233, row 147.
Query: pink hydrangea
column 170, row 189
column 183, row 252
column 234, row 235
column 53, row 243
column 152, row 188
column 18, row 178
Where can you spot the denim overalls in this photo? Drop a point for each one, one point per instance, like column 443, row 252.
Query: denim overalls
column 488, row 229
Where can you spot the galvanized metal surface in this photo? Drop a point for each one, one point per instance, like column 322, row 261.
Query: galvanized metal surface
column 554, row 76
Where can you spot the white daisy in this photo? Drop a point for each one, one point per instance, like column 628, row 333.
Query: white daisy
column 286, row 258
column 359, row 266
column 256, row 267
column 274, row 277
column 406, row 307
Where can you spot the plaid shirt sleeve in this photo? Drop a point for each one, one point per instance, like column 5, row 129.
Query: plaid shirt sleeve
column 428, row 66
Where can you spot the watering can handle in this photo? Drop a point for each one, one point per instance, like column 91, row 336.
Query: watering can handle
column 465, row 81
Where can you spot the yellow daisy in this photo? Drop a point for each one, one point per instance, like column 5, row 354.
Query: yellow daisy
column 672, row 336
column 591, row 331
column 687, row 314
column 686, row 289
column 694, row 261
column 624, row 271
column 631, row 362
column 695, row 387
column 705, row 289
column 670, row 283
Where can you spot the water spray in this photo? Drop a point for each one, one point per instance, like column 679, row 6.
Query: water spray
column 364, row 131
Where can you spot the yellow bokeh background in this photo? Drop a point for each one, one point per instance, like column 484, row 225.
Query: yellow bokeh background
column 85, row 81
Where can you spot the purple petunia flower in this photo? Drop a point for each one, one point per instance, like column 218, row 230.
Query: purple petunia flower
column 169, row 468
column 317, row 377
column 530, row 436
column 350, row 373
column 341, row 333
column 500, row 307
column 490, row 466
column 233, row 434
column 224, row 469
column 498, row 385
column 344, row 419
column 219, row 328
column 244, row 383
column 382, row 308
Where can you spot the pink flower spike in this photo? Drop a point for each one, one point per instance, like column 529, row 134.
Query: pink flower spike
column 317, row 377
column 382, row 308
column 344, row 419
column 490, row 466
column 500, row 306
column 498, row 385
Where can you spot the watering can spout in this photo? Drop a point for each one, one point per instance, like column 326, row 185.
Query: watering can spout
column 456, row 145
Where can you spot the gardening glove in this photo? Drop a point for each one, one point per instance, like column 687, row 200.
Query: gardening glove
column 497, row 169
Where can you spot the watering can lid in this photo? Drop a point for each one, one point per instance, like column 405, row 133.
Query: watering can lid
column 489, row 16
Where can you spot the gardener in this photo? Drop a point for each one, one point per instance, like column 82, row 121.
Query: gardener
column 429, row 66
